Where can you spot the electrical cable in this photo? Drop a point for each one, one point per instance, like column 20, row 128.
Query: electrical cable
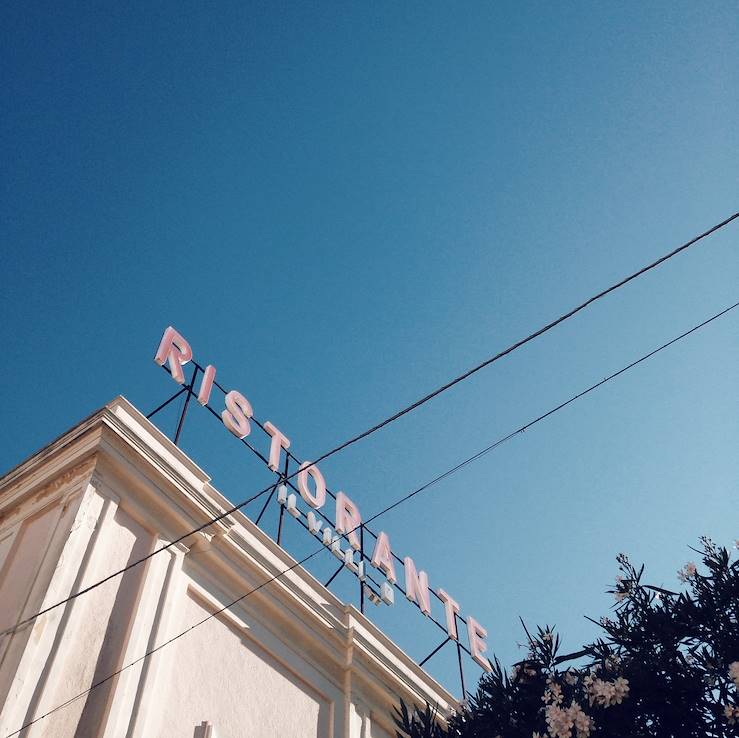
column 530, row 337
column 385, row 510
column 385, row 422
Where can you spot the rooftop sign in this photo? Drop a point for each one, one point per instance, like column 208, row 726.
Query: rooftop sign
column 237, row 415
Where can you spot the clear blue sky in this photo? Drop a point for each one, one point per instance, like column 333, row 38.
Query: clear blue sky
column 411, row 187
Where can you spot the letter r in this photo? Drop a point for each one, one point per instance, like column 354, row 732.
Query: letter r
column 175, row 351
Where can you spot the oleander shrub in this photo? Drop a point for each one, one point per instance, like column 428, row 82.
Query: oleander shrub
column 665, row 666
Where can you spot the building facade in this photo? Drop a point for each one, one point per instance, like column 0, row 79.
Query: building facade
column 291, row 660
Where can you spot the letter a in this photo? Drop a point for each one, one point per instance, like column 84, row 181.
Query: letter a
column 382, row 557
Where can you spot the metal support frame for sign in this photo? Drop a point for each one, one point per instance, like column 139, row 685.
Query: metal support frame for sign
column 436, row 650
column 266, row 505
column 334, row 575
column 166, row 402
column 183, row 415
column 461, row 665
column 283, row 478
column 282, row 508
column 361, row 583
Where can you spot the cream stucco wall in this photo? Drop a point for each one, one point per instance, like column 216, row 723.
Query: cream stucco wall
column 289, row 661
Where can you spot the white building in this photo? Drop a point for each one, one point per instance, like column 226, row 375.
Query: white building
column 290, row 660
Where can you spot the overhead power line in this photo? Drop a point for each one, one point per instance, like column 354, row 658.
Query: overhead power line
column 385, row 510
column 385, row 422
column 544, row 329
column 562, row 405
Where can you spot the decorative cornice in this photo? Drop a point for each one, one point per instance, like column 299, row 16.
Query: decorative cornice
column 28, row 489
column 121, row 452
column 80, row 470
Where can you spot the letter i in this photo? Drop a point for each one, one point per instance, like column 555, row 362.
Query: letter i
column 206, row 385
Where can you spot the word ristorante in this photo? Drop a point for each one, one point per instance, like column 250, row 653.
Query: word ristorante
column 175, row 351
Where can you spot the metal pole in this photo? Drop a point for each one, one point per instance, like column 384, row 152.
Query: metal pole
column 461, row 668
column 187, row 405
column 266, row 503
column 436, row 650
column 282, row 507
column 164, row 404
column 279, row 525
column 361, row 558
column 334, row 575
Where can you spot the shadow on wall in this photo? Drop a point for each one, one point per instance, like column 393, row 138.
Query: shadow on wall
column 137, row 542
column 99, row 624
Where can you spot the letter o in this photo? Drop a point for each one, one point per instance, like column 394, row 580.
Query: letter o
column 318, row 499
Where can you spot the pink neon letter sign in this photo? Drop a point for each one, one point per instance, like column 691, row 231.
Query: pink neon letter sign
column 451, row 608
column 237, row 413
column 318, row 499
column 279, row 441
column 206, row 386
column 382, row 556
column 348, row 519
column 417, row 586
column 175, row 351
column 477, row 635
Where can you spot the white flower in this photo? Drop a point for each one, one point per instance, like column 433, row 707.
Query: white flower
column 561, row 721
column 583, row 723
column 734, row 673
column 605, row 693
column 687, row 572
column 521, row 672
column 621, row 689
column 553, row 694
